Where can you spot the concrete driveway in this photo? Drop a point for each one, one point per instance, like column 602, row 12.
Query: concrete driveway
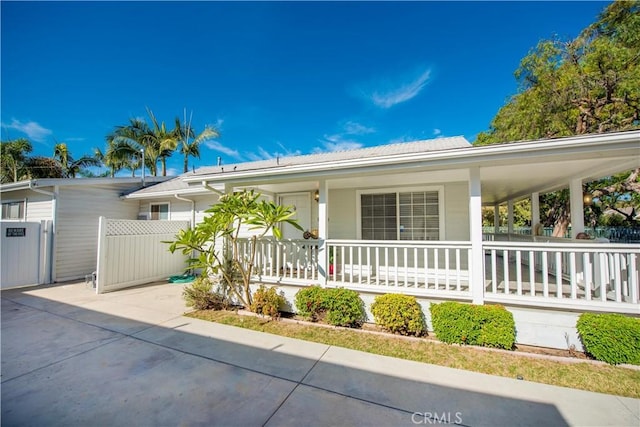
column 73, row 358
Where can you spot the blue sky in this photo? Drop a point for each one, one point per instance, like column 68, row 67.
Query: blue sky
column 275, row 78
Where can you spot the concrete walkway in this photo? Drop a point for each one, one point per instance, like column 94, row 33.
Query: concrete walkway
column 129, row 358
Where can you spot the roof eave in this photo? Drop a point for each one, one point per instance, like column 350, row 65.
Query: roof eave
column 472, row 155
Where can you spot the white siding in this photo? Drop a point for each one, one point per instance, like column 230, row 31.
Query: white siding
column 342, row 214
column 79, row 208
column 456, row 211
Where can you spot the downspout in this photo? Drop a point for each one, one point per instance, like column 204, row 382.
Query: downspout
column 54, row 220
column 193, row 209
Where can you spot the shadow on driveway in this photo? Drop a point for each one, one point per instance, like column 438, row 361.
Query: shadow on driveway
column 65, row 364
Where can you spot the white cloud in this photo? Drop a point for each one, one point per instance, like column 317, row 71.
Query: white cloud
column 401, row 139
column 332, row 143
column 355, row 128
column 263, row 154
column 217, row 146
column 386, row 94
column 33, row 130
column 173, row 172
column 74, row 139
column 437, row 132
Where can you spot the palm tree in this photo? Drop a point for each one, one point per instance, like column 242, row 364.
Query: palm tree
column 13, row 160
column 157, row 142
column 161, row 140
column 118, row 156
column 128, row 140
column 70, row 166
column 192, row 148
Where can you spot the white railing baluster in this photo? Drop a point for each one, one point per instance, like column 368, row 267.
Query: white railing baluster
column 573, row 275
column 586, row 271
column 532, row 274
column 406, row 267
column 415, row 265
column 616, row 281
column 558, row 274
column 446, row 269
column 505, row 270
column 436, row 268
column 633, row 278
column 425, row 252
column 518, row 273
column 458, row 285
column 545, row 275
column 494, row 274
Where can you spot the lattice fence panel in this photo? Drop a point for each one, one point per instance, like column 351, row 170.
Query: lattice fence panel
column 124, row 227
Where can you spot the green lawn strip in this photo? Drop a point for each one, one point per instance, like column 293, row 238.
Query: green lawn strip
column 585, row 376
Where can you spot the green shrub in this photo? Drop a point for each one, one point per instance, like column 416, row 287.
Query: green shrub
column 344, row 307
column 612, row 338
column 310, row 303
column 336, row 306
column 484, row 325
column 200, row 296
column 400, row 314
column 267, row 302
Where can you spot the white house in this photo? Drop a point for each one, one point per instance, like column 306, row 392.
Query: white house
column 50, row 226
column 407, row 218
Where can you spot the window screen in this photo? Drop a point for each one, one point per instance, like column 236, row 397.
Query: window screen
column 160, row 211
column 13, row 210
column 400, row 216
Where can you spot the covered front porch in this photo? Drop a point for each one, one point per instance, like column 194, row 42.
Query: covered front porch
column 413, row 224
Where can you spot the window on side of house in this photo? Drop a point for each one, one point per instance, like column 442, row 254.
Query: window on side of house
column 159, row 211
column 13, row 210
column 411, row 215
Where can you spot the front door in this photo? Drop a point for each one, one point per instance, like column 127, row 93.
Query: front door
column 301, row 205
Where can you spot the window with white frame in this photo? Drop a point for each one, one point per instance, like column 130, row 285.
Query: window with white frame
column 159, row 211
column 409, row 215
column 13, row 210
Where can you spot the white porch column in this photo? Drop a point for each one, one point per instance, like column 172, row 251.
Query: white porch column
column 535, row 210
column 577, row 207
column 476, row 267
column 510, row 216
column 496, row 219
column 323, row 231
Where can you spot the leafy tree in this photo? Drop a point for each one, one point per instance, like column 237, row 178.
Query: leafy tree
column 13, row 160
column 44, row 167
column 587, row 85
column 217, row 241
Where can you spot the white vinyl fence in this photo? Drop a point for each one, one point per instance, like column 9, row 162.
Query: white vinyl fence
column 132, row 252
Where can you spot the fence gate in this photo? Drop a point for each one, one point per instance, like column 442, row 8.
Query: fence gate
column 25, row 253
column 132, row 252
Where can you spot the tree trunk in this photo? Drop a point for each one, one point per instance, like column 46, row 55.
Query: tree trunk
column 186, row 163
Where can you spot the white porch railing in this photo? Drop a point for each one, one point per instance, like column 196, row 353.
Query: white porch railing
column 429, row 268
column 560, row 274
column 283, row 259
column 595, row 275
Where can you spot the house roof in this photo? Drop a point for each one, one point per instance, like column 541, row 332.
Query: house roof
column 180, row 185
column 66, row 182
column 323, row 159
column 508, row 171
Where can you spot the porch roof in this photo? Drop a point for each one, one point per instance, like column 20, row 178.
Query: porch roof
column 508, row 171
